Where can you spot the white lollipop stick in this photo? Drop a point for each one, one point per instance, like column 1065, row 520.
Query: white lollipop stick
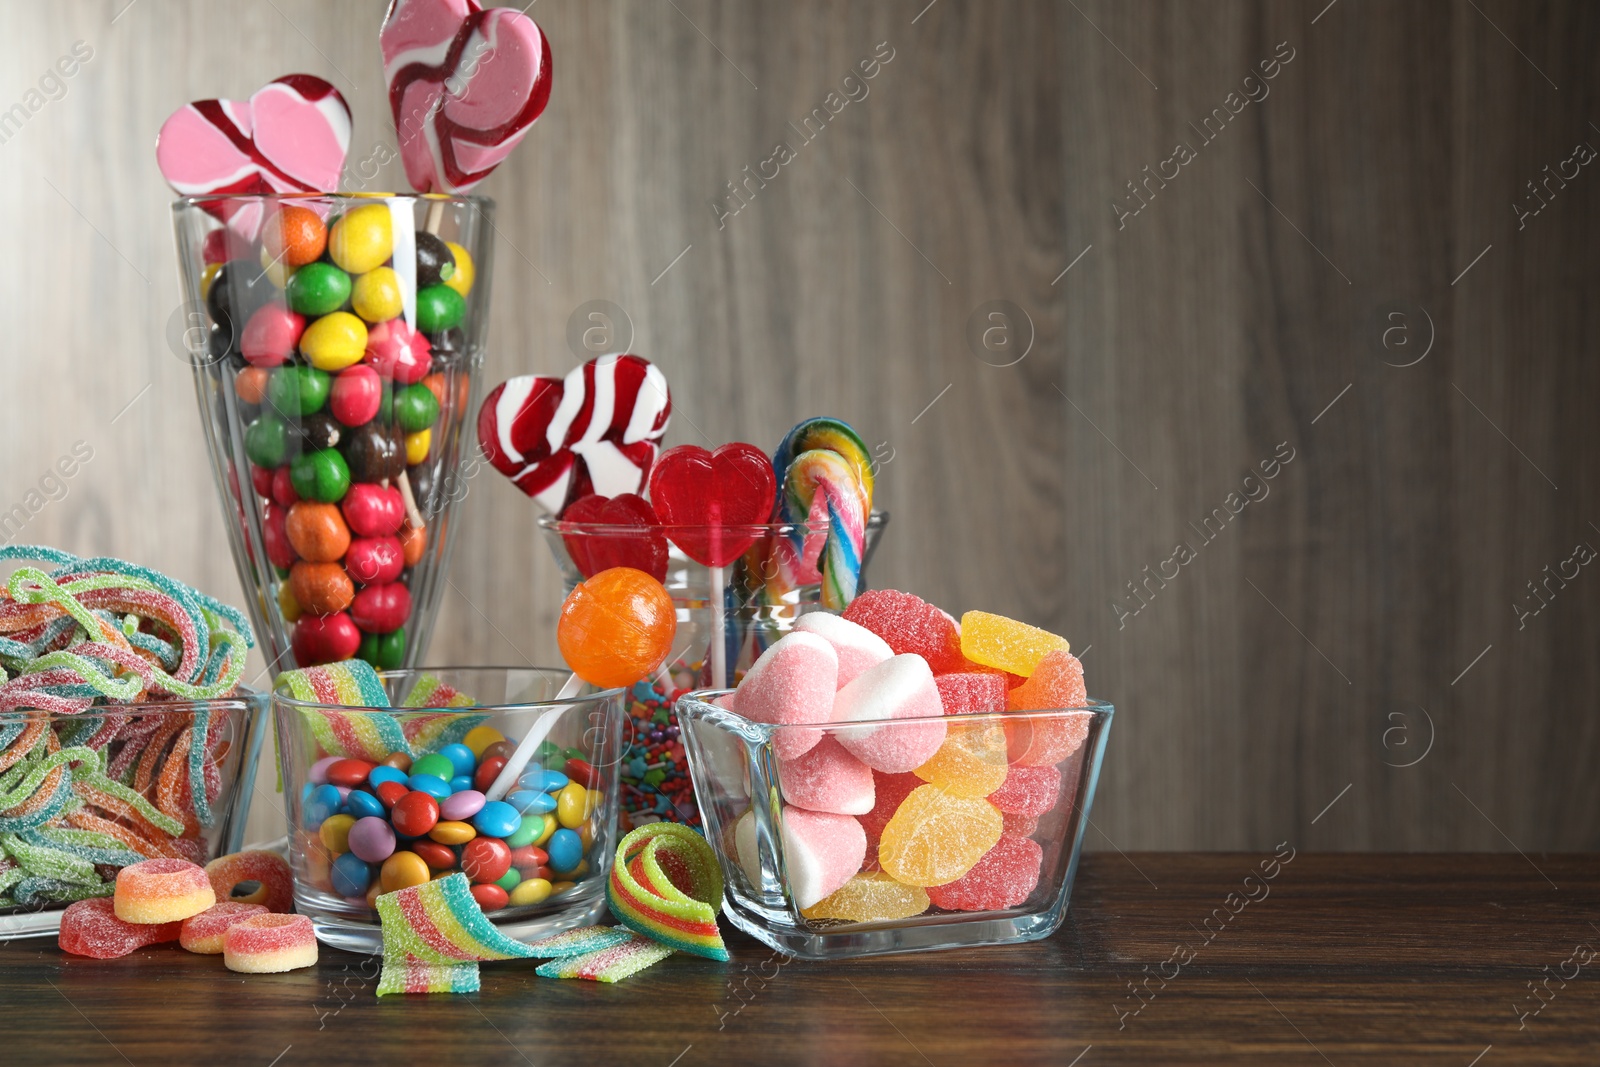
column 719, row 635
column 532, row 740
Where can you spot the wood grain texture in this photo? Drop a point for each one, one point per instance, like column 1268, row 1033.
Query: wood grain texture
column 1321, row 638
column 1349, row 959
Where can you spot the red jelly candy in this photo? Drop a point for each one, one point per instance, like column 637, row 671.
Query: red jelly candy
column 910, row 624
column 91, row 928
column 1027, row 790
column 731, row 487
column 1018, row 825
column 1003, row 878
column 966, row 693
column 889, row 791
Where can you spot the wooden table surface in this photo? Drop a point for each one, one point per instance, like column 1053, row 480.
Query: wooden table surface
column 1342, row 959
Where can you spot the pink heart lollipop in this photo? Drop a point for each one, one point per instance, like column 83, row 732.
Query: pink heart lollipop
column 464, row 84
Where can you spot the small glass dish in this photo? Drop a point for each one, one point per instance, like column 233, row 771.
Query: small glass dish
column 737, row 785
column 136, row 748
column 512, row 701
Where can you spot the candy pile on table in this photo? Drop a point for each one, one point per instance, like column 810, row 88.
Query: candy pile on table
column 370, row 826
column 95, row 784
column 884, row 820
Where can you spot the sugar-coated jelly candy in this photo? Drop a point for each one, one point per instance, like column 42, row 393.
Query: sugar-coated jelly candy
column 821, row 851
column 898, row 688
column 967, row 693
column 870, row 897
column 858, row 648
column 267, row 872
column 616, row 627
column 971, row 762
column 996, row 641
column 162, row 891
column 827, row 778
column 792, row 683
column 909, row 624
column 1018, row 825
column 935, row 837
column 1003, row 878
column 1056, row 683
column 889, row 792
column 202, row 934
column 91, row 928
column 1028, row 790
column 268, row 944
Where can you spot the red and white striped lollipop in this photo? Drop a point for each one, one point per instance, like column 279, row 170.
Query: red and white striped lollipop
column 595, row 431
column 464, row 85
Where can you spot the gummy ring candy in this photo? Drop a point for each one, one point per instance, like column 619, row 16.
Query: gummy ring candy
column 202, row 934
column 268, row 944
column 275, row 882
column 666, row 885
column 162, row 891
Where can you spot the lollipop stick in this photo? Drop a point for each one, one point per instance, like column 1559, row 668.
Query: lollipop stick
column 435, row 217
column 532, row 740
column 719, row 632
column 413, row 513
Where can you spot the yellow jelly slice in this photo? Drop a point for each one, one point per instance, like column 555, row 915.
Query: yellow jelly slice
column 996, row 641
column 935, row 837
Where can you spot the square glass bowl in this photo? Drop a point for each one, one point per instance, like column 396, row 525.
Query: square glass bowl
column 432, row 710
column 123, row 793
column 770, row 856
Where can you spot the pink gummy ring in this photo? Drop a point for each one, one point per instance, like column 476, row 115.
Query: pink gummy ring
column 203, row 933
column 162, row 891
column 266, row 944
column 274, row 881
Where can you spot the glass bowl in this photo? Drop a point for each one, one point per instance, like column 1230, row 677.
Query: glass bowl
column 768, row 851
column 127, row 796
column 432, row 710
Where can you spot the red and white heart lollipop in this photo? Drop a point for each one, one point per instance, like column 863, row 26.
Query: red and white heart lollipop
column 595, row 431
column 464, row 85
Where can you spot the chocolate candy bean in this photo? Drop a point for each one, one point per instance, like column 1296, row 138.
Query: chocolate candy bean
column 373, row 511
column 269, row 442
column 376, row 295
column 381, row 609
column 363, row 239
column 295, row 392
column 321, row 588
column 374, row 452
column 317, row 531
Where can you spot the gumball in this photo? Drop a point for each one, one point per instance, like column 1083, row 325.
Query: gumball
column 320, row 475
column 485, row 859
column 381, row 609
column 415, row 814
column 449, row 349
column 250, row 384
column 268, row 441
column 376, row 295
column 214, row 249
column 282, row 491
column 295, row 392
column 439, row 307
column 320, row 430
column 280, row 549
column 415, row 408
column 374, row 452
column 363, row 239
column 435, row 264
column 296, row 236
column 386, row 652
column 617, row 627
column 397, row 351
column 317, row 288
column 334, row 341
column 270, row 336
column 275, row 271
column 317, row 531
column 417, row 446
column 261, row 481
column 324, row 639
column 373, row 511
column 374, row 560
column 321, row 588
column 414, row 543
column 489, row 896
column 356, row 394
column 465, row 272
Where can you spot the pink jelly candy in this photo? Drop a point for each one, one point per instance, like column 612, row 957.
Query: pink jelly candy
column 793, row 682
column 203, row 933
column 1018, row 825
column 1028, row 790
column 858, row 648
column 965, row 693
column 821, row 851
column 1039, row 740
column 827, row 778
column 898, row 688
column 91, row 928
column 910, row 624
column 1003, row 878
column 889, row 791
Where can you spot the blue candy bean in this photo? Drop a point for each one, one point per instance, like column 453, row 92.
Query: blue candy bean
column 460, row 755
column 435, row 787
column 565, row 849
column 362, row 804
column 380, row 774
column 497, row 819
column 350, row 875
column 530, row 802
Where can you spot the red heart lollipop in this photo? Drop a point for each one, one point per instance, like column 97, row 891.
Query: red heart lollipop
column 731, row 487
column 594, row 551
column 585, row 511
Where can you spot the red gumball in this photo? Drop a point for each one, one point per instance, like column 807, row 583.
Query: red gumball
column 276, row 535
column 374, row 560
column 271, row 335
column 283, row 489
column 373, row 511
column 486, row 859
column 397, row 351
column 261, row 479
column 490, row 897
column 356, row 396
column 381, row 609
column 414, row 814
column 324, row 639
column 215, row 247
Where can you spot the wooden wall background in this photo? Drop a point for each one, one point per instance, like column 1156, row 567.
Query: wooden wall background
column 1360, row 216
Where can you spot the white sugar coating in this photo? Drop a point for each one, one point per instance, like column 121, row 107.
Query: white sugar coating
column 793, row 683
column 827, row 778
column 858, row 648
column 898, row 688
column 821, row 851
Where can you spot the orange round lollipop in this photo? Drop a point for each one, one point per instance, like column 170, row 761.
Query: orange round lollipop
column 617, row 627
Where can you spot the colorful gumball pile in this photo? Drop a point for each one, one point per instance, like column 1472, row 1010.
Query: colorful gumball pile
column 886, row 819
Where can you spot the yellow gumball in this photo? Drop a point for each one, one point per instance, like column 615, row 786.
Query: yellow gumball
column 376, row 295
column 417, row 445
column 461, row 280
column 363, row 239
column 334, row 341
column 277, row 270
column 208, row 276
column 288, row 604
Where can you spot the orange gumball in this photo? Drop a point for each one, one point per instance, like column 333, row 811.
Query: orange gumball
column 297, row 237
column 413, row 543
column 317, row 532
column 251, row 384
column 617, row 627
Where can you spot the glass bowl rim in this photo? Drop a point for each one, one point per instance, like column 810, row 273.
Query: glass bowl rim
column 602, row 695
column 209, row 199
column 875, row 521
column 697, row 705
column 242, row 695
